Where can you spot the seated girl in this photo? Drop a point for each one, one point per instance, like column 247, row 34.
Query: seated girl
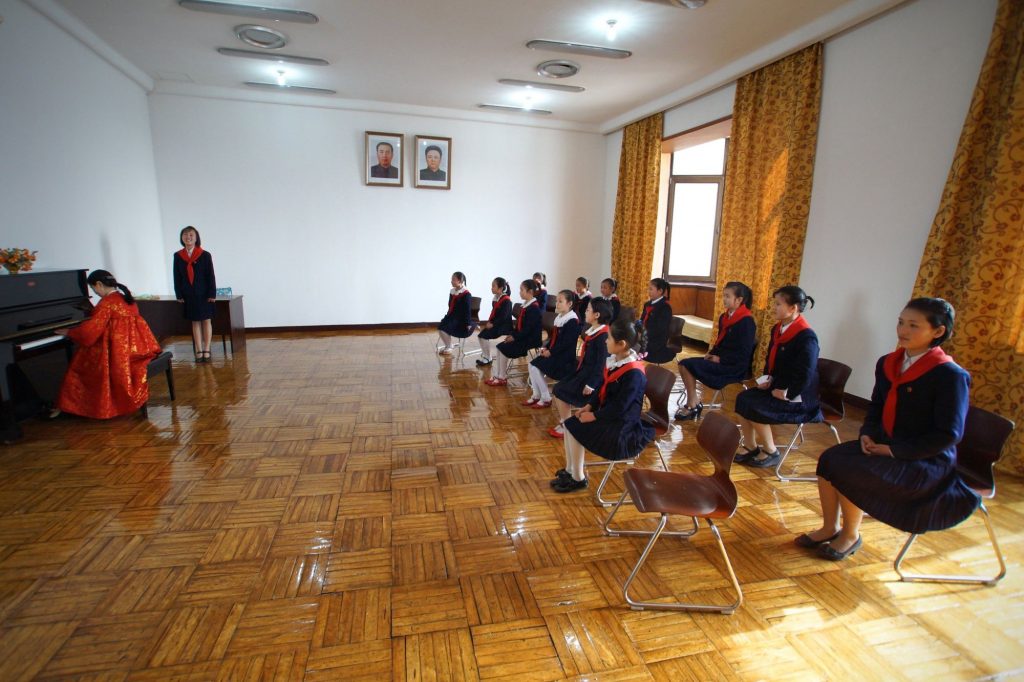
column 457, row 322
column 524, row 337
column 609, row 424
column 107, row 375
column 656, row 318
column 499, row 322
column 728, row 361
column 902, row 471
column 557, row 358
column 608, row 288
column 787, row 392
column 588, row 372
column 583, row 296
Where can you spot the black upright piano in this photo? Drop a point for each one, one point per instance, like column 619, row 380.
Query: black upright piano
column 33, row 305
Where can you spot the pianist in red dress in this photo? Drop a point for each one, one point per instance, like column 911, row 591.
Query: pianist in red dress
column 107, row 375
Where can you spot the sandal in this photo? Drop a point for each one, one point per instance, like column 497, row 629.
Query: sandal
column 555, row 433
column 541, row 404
column 530, row 402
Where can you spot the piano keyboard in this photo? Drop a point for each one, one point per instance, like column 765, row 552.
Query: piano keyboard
column 29, row 345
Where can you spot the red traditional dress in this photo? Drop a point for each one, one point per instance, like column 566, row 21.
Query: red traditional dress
column 107, row 375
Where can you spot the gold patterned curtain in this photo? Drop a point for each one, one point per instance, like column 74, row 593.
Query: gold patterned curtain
column 974, row 257
column 768, row 180
column 636, row 209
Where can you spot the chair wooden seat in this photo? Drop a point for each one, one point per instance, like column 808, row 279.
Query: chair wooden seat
column 685, row 494
column 832, row 378
column 681, row 494
column 980, row 448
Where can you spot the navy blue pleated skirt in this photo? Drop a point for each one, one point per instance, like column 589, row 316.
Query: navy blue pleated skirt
column 762, row 407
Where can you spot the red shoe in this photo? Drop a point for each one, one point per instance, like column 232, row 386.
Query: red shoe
column 530, row 402
column 496, row 382
column 555, row 433
column 541, row 405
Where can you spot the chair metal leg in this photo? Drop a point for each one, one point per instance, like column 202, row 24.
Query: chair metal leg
column 785, row 453
column 679, row 606
column 604, row 481
column 974, row 580
column 616, row 532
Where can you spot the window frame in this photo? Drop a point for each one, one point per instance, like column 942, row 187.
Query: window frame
column 674, row 180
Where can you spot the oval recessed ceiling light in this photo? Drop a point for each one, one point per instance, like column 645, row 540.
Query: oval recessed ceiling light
column 271, row 56
column 518, row 110
column 578, row 48
column 539, row 85
column 291, row 88
column 261, row 36
column 558, row 68
column 251, row 11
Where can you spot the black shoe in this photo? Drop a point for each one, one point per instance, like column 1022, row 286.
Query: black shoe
column 807, row 542
column 560, row 476
column 483, row 363
column 570, row 485
column 826, row 551
column 744, row 457
column 770, row 460
column 691, row 414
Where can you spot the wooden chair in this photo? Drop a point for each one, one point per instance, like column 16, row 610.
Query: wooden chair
column 675, row 334
column 659, row 386
column 685, row 494
column 160, row 364
column 985, row 434
column 627, row 312
column 832, row 378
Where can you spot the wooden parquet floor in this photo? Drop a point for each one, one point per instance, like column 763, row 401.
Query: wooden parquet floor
column 342, row 507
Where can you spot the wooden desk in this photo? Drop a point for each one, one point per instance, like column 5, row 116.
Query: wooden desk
column 164, row 316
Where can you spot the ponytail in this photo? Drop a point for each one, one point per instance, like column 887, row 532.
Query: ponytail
column 630, row 331
column 106, row 279
column 794, row 295
column 503, row 285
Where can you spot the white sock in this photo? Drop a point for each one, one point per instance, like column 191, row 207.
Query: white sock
column 574, row 454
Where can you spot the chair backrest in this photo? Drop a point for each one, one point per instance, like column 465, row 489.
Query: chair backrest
column 474, row 308
column 985, row 434
column 550, row 303
column 832, row 378
column 516, row 309
column 547, row 321
column 675, row 328
column 720, row 438
column 627, row 312
column 659, row 386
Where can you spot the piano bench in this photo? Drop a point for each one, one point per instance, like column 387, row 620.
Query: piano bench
column 162, row 363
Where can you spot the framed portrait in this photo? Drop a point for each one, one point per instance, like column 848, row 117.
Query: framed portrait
column 433, row 167
column 384, row 154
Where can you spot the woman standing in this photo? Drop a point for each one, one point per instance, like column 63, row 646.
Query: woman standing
column 195, row 285
column 107, row 375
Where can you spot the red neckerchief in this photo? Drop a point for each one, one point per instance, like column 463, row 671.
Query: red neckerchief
column 725, row 321
column 616, row 375
column 196, row 253
column 893, row 363
column 648, row 307
column 522, row 314
column 795, row 327
column 587, row 338
column 452, row 298
column 496, row 305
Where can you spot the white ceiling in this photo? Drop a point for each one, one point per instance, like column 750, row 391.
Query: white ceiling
column 450, row 53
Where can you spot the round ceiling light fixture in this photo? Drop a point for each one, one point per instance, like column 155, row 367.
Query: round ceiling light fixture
column 558, row 68
column 261, row 36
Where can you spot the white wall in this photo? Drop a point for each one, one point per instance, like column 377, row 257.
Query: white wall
column 278, row 194
column 75, row 155
column 895, row 94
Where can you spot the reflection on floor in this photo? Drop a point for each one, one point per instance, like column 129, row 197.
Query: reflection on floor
column 350, row 506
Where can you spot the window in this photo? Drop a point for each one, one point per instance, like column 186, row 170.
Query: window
column 694, row 215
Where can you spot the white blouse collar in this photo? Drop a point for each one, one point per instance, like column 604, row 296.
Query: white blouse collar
column 456, row 292
column 595, row 329
column 614, row 363
column 562, row 319
column 655, row 301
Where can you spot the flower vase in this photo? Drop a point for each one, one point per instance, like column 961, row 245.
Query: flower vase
column 11, row 269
